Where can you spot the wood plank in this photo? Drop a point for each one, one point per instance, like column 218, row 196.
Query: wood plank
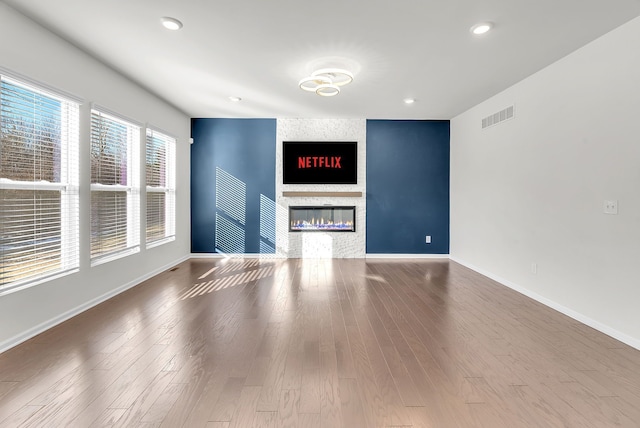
column 288, row 409
column 244, row 415
column 161, row 407
column 143, row 402
column 225, row 407
column 108, row 418
column 217, row 425
column 21, row 416
column 6, row 387
column 351, row 404
column 265, row 420
column 330, row 406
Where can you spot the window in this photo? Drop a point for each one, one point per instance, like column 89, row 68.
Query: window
column 115, row 187
column 39, row 137
column 160, row 173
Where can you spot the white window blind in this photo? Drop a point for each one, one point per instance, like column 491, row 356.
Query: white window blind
column 39, row 140
column 115, row 187
column 160, row 186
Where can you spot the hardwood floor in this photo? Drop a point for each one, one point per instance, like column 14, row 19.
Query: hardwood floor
column 320, row 343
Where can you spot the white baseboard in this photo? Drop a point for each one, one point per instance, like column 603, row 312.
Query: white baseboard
column 407, row 256
column 206, row 256
column 622, row 337
column 276, row 256
column 34, row 331
column 234, row 256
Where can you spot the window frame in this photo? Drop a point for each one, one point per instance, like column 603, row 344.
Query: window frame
column 132, row 188
column 68, row 184
column 169, row 189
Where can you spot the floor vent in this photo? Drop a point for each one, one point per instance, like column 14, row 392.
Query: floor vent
column 498, row 117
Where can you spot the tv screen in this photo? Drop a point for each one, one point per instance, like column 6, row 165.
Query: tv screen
column 313, row 162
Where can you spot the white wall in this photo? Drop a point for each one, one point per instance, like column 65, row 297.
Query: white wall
column 32, row 51
column 531, row 190
column 317, row 244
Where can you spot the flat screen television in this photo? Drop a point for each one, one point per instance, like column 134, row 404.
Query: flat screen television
column 320, row 162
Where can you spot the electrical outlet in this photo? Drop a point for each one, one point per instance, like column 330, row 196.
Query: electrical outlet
column 611, row 207
column 427, row 239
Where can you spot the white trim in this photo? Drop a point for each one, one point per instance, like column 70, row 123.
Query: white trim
column 114, row 115
column 160, row 131
column 5, row 183
column 114, row 255
column 276, row 256
column 236, row 256
column 21, row 285
column 158, row 242
column 207, row 256
column 97, row 187
column 34, row 331
column 168, row 188
column 406, row 256
column 131, row 187
column 67, row 184
column 153, row 189
column 622, row 337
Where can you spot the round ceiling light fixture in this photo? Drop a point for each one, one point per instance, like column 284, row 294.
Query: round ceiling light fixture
column 338, row 76
column 326, row 82
column 311, row 83
column 328, row 90
column 409, row 100
column 171, row 23
column 481, row 28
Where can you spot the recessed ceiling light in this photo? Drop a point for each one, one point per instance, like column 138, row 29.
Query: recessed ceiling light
column 481, row 28
column 235, row 99
column 171, row 23
column 409, row 100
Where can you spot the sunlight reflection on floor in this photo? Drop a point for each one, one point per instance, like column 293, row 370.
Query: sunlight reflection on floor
column 225, row 278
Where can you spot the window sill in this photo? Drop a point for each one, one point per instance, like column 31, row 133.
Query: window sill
column 114, row 256
column 34, row 282
column 159, row 242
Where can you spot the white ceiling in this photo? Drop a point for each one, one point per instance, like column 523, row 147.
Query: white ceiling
column 259, row 49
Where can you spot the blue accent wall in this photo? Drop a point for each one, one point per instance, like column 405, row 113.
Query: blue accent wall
column 233, row 185
column 407, row 186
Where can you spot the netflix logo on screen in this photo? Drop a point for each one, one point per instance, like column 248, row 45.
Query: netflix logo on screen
column 306, row 162
column 319, row 162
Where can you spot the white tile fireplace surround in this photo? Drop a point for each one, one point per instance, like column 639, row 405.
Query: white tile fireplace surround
column 321, row 244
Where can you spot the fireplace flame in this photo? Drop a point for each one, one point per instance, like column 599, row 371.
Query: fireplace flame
column 336, row 219
column 321, row 224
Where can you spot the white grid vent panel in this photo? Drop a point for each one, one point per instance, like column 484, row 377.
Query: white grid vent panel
column 498, row 117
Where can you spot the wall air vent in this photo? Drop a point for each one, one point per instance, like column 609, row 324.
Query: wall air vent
column 496, row 118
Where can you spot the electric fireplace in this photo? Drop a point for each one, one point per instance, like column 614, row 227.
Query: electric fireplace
column 322, row 219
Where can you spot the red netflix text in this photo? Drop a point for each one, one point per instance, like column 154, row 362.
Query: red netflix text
column 319, row 162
